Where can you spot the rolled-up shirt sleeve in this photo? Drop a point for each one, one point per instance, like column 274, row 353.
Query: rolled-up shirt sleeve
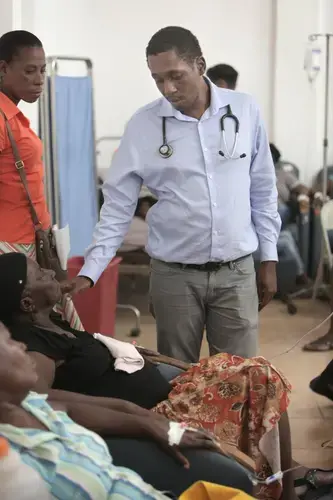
column 264, row 197
column 121, row 191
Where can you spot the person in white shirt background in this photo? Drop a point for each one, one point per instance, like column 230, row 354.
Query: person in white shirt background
column 211, row 213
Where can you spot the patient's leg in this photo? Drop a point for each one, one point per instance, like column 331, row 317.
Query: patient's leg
column 161, row 470
column 169, row 372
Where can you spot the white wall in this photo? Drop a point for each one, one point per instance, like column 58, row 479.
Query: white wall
column 264, row 39
column 299, row 105
column 115, row 34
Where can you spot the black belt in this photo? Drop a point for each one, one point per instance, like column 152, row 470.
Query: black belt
column 210, row 267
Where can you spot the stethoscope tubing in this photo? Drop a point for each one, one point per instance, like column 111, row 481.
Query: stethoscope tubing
column 165, row 150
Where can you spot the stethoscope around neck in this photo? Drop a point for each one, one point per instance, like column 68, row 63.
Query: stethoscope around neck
column 224, row 151
column 165, row 150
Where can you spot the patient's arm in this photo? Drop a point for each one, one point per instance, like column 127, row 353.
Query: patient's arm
column 106, row 403
column 104, row 421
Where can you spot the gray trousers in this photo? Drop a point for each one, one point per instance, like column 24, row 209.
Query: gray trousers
column 186, row 301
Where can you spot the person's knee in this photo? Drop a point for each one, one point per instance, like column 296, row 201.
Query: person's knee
column 169, row 372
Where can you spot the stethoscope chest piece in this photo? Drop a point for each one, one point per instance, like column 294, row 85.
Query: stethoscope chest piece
column 165, row 151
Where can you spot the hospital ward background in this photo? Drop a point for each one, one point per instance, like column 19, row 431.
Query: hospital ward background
column 278, row 51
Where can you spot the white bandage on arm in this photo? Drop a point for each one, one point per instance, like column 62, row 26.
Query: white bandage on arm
column 175, row 433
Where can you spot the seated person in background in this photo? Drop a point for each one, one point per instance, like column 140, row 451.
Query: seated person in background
column 287, row 185
column 52, row 437
column 132, row 250
column 287, row 247
column 223, row 75
column 238, row 400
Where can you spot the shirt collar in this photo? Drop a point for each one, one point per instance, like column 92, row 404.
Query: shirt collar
column 219, row 98
column 8, row 107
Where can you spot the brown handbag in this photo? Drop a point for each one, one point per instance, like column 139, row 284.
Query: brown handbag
column 46, row 252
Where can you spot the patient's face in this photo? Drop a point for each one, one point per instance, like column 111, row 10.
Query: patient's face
column 17, row 370
column 42, row 287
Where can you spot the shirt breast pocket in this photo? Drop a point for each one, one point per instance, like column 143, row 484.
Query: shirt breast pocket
column 232, row 145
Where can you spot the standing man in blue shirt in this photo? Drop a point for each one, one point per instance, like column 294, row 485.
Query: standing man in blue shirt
column 212, row 211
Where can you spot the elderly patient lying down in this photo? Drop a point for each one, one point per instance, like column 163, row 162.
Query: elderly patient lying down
column 243, row 402
column 53, row 438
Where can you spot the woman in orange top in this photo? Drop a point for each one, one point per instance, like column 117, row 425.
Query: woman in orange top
column 22, row 75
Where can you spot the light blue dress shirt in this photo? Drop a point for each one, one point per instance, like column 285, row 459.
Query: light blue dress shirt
column 209, row 208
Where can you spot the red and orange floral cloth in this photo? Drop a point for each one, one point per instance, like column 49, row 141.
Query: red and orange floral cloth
column 238, row 400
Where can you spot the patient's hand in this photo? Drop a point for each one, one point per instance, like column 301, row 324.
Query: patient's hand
column 192, row 438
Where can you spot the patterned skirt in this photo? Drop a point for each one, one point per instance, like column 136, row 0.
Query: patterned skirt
column 66, row 307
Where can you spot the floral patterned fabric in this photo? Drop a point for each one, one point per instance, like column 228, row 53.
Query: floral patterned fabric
column 237, row 399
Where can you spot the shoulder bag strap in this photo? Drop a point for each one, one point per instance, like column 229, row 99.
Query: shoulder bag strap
column 19, row 164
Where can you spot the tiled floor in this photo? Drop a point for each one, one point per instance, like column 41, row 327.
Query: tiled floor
column 311, row 416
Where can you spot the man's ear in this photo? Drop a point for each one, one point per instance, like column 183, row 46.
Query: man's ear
column 3, row 67
column 201, row 64
column 27, row 305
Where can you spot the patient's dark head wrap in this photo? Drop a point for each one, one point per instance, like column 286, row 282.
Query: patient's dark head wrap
column 13, row 278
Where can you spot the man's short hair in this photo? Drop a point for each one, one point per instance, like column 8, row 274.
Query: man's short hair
column 181, row 40
column 223, row 72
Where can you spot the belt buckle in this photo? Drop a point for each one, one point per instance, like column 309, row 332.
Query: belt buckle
column 213, row 267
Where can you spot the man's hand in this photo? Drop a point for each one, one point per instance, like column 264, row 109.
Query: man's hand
column 75, row 285
column 266, row 283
